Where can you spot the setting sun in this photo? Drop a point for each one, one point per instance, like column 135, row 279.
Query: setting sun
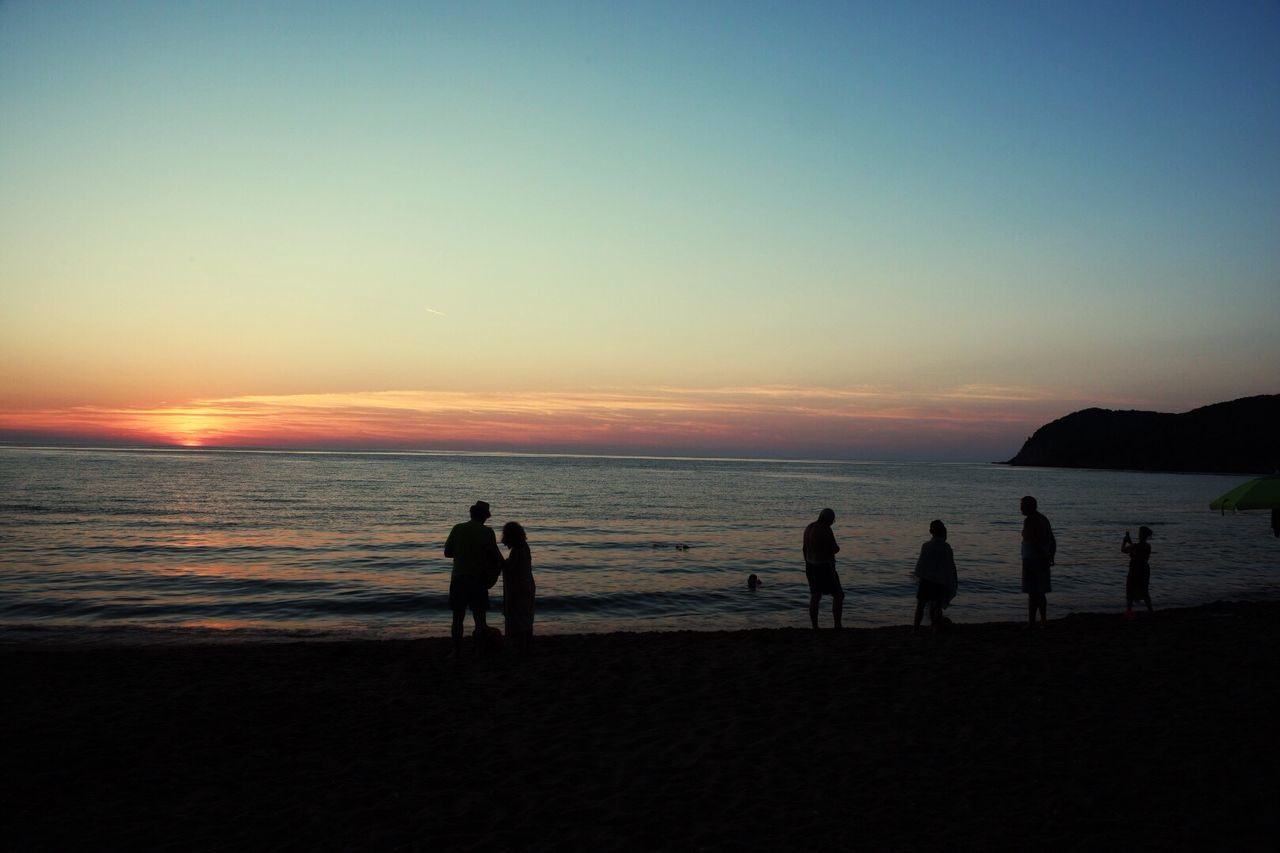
column 190, row 430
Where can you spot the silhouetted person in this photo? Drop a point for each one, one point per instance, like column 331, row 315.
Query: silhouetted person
column 1038, row 551
column 936, row 571
column 820, row 551
column 474, row 548
column 1137, row 582
column 753, row 583
column 517, row 585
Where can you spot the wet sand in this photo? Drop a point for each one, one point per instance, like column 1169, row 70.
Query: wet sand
column 1094, row 733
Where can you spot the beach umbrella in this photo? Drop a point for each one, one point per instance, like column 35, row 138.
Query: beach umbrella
column 1262, row 493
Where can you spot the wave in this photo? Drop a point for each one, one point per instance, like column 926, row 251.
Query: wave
column 268, row 600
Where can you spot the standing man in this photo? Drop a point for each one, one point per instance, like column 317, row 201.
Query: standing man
column 474, row 548
column 820, row 551
column 1038, row 550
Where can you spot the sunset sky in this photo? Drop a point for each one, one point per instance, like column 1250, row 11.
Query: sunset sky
column 825, row 230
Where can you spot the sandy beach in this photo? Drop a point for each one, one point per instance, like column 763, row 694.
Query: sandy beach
column 1094, row 733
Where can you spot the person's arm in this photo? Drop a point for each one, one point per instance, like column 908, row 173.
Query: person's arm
column 1039, row 533
column 448, row 544
column 922, row 560
column 953, row 578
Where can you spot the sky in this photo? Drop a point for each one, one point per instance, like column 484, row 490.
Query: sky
column 902, row 230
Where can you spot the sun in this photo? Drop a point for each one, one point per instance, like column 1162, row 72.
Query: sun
column 192, row 429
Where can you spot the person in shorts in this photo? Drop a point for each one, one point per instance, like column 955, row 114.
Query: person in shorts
column 474, row 549
column 820, row 551
column 1039, row 548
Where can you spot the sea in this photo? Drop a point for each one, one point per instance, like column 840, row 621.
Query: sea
column 172, row 545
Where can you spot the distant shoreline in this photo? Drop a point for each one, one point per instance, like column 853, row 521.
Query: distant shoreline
column 1243, row 474
column 1235, row 437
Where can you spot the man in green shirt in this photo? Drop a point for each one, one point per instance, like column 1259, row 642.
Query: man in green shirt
column 474, row 550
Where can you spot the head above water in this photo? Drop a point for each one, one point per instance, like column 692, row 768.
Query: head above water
column 1028, row 505
column 1144, row 533
column 938, row 529
column 480, row 511
column 827, row 516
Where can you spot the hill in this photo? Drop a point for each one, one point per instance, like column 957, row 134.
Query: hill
column 1240, row 436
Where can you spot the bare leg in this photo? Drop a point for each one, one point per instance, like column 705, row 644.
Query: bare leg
column 1031, row 610
column 482, row 631
column 837, row 607
column 455, row 632
column 814, row 599
column 915, row 625
column 1042, row 602
column 935, row 615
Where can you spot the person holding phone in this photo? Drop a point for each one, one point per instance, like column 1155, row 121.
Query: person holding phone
column 1137, row 583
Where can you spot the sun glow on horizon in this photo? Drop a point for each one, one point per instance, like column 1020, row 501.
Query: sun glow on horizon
column 193, row 427
column 844, row 422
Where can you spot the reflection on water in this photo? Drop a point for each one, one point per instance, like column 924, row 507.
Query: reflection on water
column 352, row 542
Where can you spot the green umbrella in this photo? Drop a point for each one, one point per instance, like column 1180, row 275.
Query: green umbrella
column 1262, row 493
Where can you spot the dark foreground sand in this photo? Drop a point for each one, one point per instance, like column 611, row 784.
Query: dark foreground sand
column 1092, row 734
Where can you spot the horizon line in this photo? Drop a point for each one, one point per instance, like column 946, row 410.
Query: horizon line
column 265, row 449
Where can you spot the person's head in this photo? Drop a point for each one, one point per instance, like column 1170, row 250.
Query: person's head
column 1028, row 505
column 480, row 511
column 753, row 582
column 938, row 529
column 513, row 534
column 1144, row 533
column 827, row 516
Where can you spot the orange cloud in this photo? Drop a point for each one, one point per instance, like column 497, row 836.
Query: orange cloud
column 770, row 420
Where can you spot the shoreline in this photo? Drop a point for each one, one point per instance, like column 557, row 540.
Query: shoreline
column 127, row 636
column 1092, row 733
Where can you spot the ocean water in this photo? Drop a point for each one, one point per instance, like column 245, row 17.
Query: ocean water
column 232, row 543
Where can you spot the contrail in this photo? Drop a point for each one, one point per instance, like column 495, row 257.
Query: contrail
column 434, row 311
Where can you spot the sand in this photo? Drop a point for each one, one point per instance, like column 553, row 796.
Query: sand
column 1094, row 733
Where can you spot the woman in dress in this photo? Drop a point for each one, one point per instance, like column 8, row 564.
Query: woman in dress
column 517, row 585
